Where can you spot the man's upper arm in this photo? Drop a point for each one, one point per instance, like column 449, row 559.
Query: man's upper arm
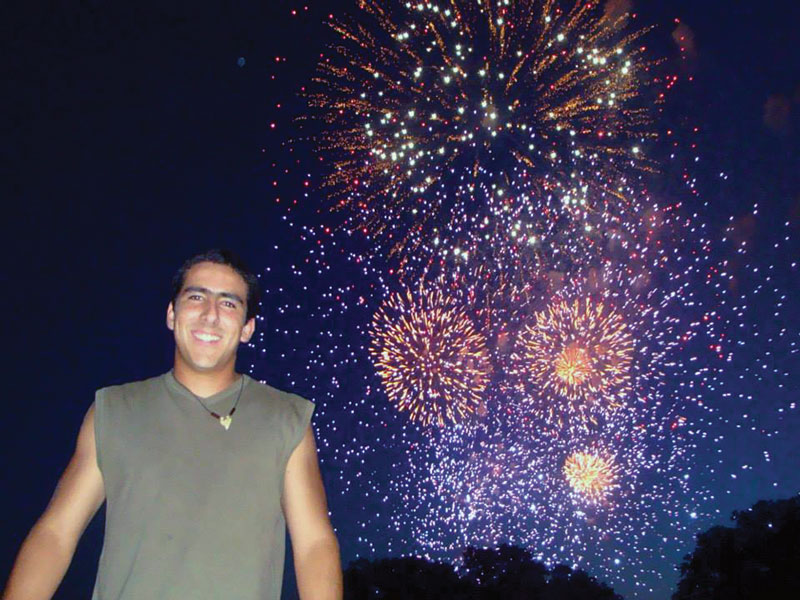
column 80, row 491
column 304, row 501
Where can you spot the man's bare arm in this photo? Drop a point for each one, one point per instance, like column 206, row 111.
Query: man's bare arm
column 47, row 551
column 316, row 551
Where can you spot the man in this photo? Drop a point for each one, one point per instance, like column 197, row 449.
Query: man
column 202, row 469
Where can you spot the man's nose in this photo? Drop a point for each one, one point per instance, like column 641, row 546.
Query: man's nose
column 211, row 312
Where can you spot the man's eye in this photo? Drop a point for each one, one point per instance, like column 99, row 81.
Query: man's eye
column 195, row 297
column 229, row 304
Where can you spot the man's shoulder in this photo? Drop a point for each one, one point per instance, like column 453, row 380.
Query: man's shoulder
column 272, row 399
column 273, row 395
column 132, row 388
column 292, row 412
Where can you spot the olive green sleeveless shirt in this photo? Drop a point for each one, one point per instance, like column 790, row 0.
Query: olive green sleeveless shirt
column 194, row 511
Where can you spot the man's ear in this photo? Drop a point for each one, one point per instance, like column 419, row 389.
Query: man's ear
column 170, row 317
column 248, row 330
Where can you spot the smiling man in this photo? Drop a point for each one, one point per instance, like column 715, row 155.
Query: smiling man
column 202, row 469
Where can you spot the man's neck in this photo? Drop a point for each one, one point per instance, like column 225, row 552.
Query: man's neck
column 203, row 383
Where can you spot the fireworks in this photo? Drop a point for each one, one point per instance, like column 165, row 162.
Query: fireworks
column 450, row 124
column 432, row 361
column 481, row 485
column 575, row 352
column 590, row 475
column 587, row 321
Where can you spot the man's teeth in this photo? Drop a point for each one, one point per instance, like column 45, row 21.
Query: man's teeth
column 207, row 338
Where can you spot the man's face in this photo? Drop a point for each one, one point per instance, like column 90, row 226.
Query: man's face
column 208, row 318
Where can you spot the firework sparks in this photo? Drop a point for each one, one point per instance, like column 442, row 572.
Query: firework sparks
column 598, row 324
column 448, row 124
column 579, row 351
column 590, row 475
column 432, row 361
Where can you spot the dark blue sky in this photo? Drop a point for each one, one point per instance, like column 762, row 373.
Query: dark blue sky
column 134, row 135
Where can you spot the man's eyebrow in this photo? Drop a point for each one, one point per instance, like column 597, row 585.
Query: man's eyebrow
column 205, row 290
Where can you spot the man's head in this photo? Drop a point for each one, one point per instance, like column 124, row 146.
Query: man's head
column 213, row 309
column 229, row 259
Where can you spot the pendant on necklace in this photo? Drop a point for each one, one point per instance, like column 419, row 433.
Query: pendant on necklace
column 226, row 421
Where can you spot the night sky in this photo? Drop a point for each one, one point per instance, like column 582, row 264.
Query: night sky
column 137, row 135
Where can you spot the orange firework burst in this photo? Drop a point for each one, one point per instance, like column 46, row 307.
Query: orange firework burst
column 579, row 351
column 590, row 475
column 432, row 361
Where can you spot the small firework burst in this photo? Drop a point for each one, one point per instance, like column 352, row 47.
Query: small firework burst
column 590, row 475
column 432, row 361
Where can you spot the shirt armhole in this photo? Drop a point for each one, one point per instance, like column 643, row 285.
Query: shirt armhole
column 304, row 411
column 99, row 419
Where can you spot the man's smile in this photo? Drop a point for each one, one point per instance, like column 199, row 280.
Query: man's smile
column 208, row 338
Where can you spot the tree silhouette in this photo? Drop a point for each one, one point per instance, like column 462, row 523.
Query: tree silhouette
column 507, row 572
column 406, row 578
column 566, row 584
column 759, row 558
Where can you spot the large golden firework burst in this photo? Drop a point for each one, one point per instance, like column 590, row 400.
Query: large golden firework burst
column 445, row 120
column 432, row 361
column 575, row 357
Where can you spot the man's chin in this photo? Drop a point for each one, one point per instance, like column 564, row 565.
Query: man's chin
column 202, row 364
column 210, row 366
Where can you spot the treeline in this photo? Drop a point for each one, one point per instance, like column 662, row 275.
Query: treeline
column 507, row 572
column 756, row 559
